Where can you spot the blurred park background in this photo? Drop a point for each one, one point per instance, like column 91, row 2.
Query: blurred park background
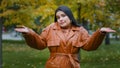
column 37, row 14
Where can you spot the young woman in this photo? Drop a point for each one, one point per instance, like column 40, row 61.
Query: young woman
column 64, row 38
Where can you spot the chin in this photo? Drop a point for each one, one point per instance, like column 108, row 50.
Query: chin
column 63, row 26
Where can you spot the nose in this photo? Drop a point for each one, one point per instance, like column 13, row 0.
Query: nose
column 61, row 19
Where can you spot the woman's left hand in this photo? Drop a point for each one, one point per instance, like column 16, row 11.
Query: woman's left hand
column 107, row 30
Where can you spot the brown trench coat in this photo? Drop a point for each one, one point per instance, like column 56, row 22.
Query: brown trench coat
column 63, row 51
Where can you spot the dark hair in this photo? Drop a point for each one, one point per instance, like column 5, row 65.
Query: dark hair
column 68, row 12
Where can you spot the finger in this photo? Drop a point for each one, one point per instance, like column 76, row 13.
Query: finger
column 107, row 30
column 111, row 31
column 21, row 29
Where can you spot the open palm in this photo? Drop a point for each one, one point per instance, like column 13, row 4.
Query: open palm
column 23, row 29
column 108, row 30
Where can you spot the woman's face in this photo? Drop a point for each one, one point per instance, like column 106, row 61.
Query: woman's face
column 63, row 20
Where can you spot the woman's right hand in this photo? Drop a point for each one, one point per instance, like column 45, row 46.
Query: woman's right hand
column 23, row 29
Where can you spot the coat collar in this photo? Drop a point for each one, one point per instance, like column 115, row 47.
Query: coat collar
column 60, row 34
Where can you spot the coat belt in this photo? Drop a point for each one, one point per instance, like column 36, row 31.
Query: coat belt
column 70, row 56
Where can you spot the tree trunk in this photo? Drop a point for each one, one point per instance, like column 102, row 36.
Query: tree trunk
column 0, row 42
column 107, row 39
column 1, row 23
column 116, row 37
column 85, row 24
column 78, row 20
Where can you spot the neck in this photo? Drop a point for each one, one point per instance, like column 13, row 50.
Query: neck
column 67, row 27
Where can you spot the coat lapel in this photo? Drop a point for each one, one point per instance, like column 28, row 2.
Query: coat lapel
column 70, row 35
column 60, row 34
column 72, row 32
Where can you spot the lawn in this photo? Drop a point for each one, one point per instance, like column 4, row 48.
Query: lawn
column 16, row 54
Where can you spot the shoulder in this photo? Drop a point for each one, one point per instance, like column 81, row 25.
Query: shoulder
column 82, row 29
column 49, row 26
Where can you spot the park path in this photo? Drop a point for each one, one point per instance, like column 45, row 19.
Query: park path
column 12, row 36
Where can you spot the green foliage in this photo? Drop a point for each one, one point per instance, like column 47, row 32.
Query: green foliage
column 98, row 12
column 15, row 12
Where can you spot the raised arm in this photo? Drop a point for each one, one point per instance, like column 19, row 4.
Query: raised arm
column 33, row 39
column 93, row 42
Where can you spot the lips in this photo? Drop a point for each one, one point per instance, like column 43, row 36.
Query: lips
column 62, row 22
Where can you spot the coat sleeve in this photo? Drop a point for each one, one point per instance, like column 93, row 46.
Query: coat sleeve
column 36, row 41
column 92, row 42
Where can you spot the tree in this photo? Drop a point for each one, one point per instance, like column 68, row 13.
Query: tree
column 1, row 22
column 98, row 13
column 25, row 11
column 114, row 9
column 0, row 42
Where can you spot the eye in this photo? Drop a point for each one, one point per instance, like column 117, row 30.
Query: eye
column 57, row 17
column 63, row 15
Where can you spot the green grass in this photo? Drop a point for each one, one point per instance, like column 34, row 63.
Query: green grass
column 106, row 56
column 16, row 54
